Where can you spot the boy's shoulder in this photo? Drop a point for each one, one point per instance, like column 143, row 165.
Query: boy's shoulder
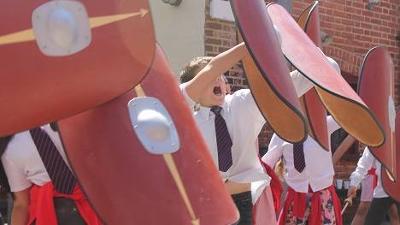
column 241, row 93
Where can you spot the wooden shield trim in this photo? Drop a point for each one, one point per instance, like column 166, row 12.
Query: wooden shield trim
column 126, row 184
column 316, row 113
column 36, row 89
column 267, row 72
column 375, row 85
column 392, row 188
column 339, row 99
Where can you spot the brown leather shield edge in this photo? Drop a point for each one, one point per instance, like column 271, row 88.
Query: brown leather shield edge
column 126, row 184
column 392, row 187
column 267, row 72
column 36, row 89
column 339, row 99
column 314, row 109
column 375, row 87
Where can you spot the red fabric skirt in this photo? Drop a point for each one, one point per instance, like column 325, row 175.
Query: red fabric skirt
column 296, row 206
column 41, row 207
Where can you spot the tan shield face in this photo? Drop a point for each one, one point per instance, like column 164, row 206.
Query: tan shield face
column 339, row 99
column 391, row 186
column 37, row 88
column 267, row 72
column 313, row 107
column 126, row 180
column 376, row 88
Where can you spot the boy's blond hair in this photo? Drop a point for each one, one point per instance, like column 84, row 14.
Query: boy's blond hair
column 193, row 67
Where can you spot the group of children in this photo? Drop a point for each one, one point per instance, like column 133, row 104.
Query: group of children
column 230, row 125
column 311, row 197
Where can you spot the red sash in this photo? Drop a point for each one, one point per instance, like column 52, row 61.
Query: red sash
column 300, row 204
column 41, row 207
column 372, row 172
column 276, row 186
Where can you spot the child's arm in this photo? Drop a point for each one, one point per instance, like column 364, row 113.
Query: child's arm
column 216, row 67
column 20, row 211
column 364, row 164
column 275, row 151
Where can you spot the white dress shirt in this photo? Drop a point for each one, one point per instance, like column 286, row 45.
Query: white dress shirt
column 365, row 163
column 244, row 122
column 22, row 163
column 318, row 173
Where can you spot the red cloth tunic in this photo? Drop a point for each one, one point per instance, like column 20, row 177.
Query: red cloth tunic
column 41, row 207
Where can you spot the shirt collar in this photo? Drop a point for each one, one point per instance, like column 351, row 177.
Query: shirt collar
column 205, row 112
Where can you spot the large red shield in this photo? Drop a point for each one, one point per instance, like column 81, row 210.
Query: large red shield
column 376, row 88
column 128, row 185
column 267, row 72
column 392, row 187
column 46, row 88
column 316, row 113
column 340, row 100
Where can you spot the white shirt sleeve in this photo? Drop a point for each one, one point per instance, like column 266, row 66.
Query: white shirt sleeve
column 275, row 151
column 188, row 100
column 332, row 125
column 15, row 174
column 364, row 164
column 301, row 83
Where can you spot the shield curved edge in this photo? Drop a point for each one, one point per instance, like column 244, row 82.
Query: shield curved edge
column 392, row 187
column 349, row 111
column 314, row 109
column 267, row 72
column 377, row 74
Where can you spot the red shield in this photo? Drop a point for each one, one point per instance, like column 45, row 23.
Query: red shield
column 316, row 113
column 267, row 72
column 392, row 187
column 46, row 88
column 340, row 100
column 376, row 88
column 128, row 185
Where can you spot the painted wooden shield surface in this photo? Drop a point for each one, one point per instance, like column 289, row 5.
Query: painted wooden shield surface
column 128, row 185
column 314, row 109
column 339, row 99
column 36, row 89
column 376, row 88
column 390, row 186
column 267, row 72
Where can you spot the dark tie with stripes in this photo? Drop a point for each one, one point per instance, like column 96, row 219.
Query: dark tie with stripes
column 59, row 173
column 298, row 157
column 224, row 141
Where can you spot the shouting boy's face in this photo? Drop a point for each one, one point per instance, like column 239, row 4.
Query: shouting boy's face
column 215, row 94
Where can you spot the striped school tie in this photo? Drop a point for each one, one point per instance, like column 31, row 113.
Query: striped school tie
column 61, row 176
column 224, row 141
column 298, row 157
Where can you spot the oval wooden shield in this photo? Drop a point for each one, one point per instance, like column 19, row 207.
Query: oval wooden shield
column 267, row 72
column 36, row 89
column 391, row 187
column 128, row 185
column 376, row 88
column 314, row 109
column 339, row 99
